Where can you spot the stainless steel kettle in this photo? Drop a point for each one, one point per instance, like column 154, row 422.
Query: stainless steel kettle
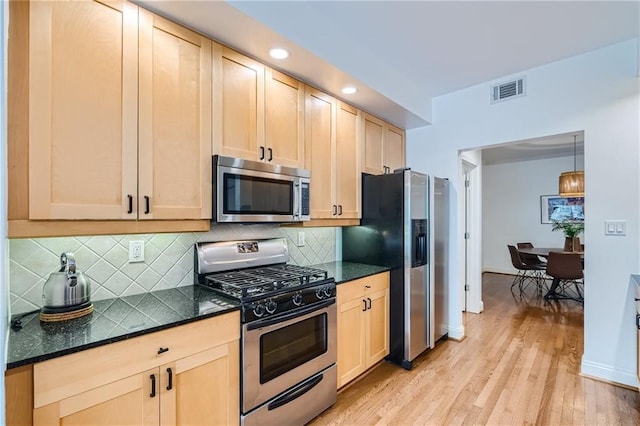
column 67, row 287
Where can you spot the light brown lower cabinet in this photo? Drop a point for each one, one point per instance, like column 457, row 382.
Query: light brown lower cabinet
column 184, row 375
column 363, row 325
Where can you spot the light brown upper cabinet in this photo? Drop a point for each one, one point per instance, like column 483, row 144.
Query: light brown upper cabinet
column 347, row 160
column 332, row 155
column 174, row 168
column 384, row 147
column 394, row 148
column 320, row 124
column 119, row 114
column 83, row 109
column 284, row 119
column 258, row 112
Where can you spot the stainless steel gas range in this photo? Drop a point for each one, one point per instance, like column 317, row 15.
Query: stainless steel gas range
column 288, row 328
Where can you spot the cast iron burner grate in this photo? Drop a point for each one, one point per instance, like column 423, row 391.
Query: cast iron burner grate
column 249, row 283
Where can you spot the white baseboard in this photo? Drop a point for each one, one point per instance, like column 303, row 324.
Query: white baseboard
column 456, row 333
column 608, row 374
column 500, row 270
column 476, row 308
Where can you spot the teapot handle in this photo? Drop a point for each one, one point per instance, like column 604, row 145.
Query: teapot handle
column 70, row 259
column 63, row 262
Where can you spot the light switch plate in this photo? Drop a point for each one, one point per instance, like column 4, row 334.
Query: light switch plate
column 301, row 239
column 615, row 227
column 136, row 251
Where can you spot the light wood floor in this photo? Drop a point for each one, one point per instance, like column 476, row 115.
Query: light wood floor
column 518, row 365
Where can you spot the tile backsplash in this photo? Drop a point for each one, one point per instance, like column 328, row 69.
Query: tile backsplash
column 168, row 259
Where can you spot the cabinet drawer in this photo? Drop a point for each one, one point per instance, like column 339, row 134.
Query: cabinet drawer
column 72, row 374
column 358, row 288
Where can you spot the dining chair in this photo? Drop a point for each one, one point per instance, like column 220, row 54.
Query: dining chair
column 530, row 259
column 527, row 274
column 566, row 270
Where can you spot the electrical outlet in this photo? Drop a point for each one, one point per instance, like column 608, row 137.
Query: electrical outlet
column 136, row 251
column 300, row 239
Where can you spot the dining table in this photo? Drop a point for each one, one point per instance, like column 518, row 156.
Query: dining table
column 544, row 252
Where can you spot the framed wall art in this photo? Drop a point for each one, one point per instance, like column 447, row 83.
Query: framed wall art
column 556, row 208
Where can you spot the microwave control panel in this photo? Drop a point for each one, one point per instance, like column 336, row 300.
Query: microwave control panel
column 305, row 209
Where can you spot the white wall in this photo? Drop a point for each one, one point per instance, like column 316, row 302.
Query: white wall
column 597, row 92
column 511, row 207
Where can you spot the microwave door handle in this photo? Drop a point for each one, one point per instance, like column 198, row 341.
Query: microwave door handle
column 297, row 197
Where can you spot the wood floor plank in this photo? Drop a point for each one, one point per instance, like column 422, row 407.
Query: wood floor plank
column 519, row 364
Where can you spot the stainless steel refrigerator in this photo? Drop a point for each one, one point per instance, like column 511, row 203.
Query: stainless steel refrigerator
column 395, row 232
column 439, row 264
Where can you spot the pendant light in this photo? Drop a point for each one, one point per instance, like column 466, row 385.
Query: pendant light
column 571, row 184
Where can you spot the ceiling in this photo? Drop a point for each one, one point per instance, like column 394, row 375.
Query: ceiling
column 401, row 54
column 535, row 149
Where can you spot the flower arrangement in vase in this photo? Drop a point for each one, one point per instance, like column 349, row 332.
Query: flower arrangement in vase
column 571, row 230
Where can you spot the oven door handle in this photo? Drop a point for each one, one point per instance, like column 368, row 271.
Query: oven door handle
column 282, row 318
column 295, row 393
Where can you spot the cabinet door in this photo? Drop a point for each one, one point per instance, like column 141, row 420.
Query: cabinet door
column 348, row 169
column 320, row 151
column 125, row 401
column 83, row 109
column 394, row 148
column 238, row 104
column 284, row 119
column 377, row 326
column 202, row 388
column 351, row 340
column 175, row 121
column 373, row 144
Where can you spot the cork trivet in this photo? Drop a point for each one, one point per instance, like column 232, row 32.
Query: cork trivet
column 63, row 316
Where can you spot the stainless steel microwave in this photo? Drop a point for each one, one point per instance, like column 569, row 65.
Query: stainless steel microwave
column 250, row 191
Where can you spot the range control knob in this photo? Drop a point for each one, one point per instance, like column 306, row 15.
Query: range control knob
column 259, row 310
column 271, row 306
column 319, row 293
column 327, row 291
column 297, row 299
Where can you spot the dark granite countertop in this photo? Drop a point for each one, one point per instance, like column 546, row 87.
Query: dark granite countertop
column 349, row 271
column 113, row 320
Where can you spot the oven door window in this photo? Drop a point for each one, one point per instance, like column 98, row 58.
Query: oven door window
column 256, row 195
column 286, row 348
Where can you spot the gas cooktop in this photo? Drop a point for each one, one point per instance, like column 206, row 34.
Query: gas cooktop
column 254, row 283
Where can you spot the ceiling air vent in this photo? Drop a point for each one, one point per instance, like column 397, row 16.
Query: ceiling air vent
column 509, row 90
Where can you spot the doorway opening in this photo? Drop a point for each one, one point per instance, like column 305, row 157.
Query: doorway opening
column 504, row 203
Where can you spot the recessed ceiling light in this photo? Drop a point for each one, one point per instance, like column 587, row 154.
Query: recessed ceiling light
column 349, row 90
column 278, row 53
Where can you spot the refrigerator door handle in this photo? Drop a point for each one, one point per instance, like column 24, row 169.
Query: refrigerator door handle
column 421, row 249
column 423, row 242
